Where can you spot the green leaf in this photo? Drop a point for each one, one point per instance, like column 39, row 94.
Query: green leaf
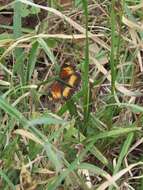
column 47, row 120
column 12, row 111
column 78, row 3
column 114, row 133
column 24, row 11
column 34, row 10
column 47, row 50
column 32, row 60
column 9, row 182
column 96, row 152
column 54, row 156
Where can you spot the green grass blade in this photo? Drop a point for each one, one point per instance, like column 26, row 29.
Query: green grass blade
column 32, row 60
column 123, row 153
column 10, row 184
column 97, row 153
column 85, row 77
column 47, row 120
column 47, row 50
column 17, row 30
column 113, row 44
column 114, row 133
column 54, row 156
column 13, row 112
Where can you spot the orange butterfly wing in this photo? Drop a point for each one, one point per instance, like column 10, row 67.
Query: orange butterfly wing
column 73, row 81
column 56, row 91
column 69, row 77
column 66, row 71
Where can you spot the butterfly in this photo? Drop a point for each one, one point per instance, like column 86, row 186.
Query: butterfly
column 67, row 83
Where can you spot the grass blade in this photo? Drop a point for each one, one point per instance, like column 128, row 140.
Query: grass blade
column 85, row 77
column 32, row 60
column 10, row 184
column 13, row 112
column 17, row 30
column 113, row 44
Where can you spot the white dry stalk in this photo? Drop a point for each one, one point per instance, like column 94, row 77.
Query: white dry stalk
column 69, row 20
column 117, row 176
column 20, row 98
column 118, row 86
column 132, row 24
column 4, row 83
column 134, row 37
column 24, row 133
column 38, row 158
column 130, row 150
column 27, row 38
column 85, row 174
column 129, row 187
column 5, row 69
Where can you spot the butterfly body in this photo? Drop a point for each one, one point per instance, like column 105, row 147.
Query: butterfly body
column 67, row 84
